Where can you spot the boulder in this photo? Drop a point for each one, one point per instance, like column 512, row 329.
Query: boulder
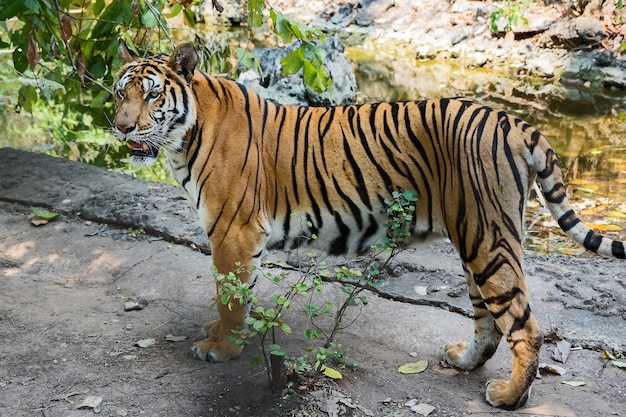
column 574, row 33
column 290, row 89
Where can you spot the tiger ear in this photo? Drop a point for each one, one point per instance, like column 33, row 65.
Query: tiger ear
column 183, row 61
column 125, row 54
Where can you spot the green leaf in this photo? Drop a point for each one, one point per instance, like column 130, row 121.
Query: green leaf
column 48, row 87
column 285, row 327
column 255, row 13
column 190, row 18
column 176, row 9
column 148, row 19
column 574, row 383
column 276, row 350
column 413, row 368
column 9, row 9
column 27, row 96
column 292, row 62
column 44, row 214
column 619, row 364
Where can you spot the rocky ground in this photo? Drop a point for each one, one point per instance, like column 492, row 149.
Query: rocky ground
column 66, row 335
column 566, row 45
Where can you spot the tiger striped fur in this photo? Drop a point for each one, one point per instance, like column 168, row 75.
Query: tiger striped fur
column 262, row 175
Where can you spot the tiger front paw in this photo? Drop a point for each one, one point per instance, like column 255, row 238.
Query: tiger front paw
column 499, row 394
column 217, row 346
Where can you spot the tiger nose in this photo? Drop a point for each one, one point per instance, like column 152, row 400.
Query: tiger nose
column 125, row 128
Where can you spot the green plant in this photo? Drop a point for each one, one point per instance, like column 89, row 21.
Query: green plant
column 512, row 12
column 263, row 322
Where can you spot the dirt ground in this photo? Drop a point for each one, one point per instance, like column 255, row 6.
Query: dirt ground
column 66, row 336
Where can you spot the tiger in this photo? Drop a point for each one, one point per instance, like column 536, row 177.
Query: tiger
column 262, row 176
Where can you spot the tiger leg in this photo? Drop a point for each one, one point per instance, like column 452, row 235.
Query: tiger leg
column 503, row 290
column 468, row 356
column 218, row 346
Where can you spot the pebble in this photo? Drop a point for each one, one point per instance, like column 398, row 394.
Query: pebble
column 132, row 305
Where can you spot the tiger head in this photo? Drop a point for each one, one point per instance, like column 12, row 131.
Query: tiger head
column 155, row 106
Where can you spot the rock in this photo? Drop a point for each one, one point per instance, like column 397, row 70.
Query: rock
column 370, row 10
column 540, row 67
column 132, row 305
column 571, row 33
column 423, row 409
column 290, row 89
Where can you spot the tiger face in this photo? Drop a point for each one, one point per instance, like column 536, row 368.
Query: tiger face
column 154, row 109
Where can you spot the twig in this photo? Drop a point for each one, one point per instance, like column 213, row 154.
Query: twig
column 161, row 325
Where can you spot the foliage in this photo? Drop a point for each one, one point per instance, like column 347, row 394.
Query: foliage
column 64, row 56
column 512, row 11
column 308, row 57
column 263, row 322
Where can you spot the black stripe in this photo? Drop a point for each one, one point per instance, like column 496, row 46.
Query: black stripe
column 520, row 322
column 556, row 195
column 549, row 169
column 504, row 298
column 568, row 220
column 361, row 186
column 339, row 245
column 617, row 249
column 592, row 241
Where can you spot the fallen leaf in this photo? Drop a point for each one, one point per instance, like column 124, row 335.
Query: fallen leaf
column 604, row 227
column 329, row 372
column 619, row 364
column 41, row 216
column 423, row 409
column 574, row 383
column 413, row 367
column 90, row 402
column 605, row 354
column 172, row 338
column 144, row 343
column 36, row 221
column 561, row 351
column 617, row 213
column 553, row 369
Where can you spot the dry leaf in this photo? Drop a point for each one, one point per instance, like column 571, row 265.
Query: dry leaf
column 80, row 66
column 553, row 369
column 90, row 402
column 32, row 53
column 561, row 351
column 604, row 227
column 172, row 338
column 605, row 354
column 66, row 27
column 144, row 343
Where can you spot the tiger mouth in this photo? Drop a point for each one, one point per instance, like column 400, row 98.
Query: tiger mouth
column 142, row 150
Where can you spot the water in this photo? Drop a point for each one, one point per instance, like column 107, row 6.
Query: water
column 585, row 126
